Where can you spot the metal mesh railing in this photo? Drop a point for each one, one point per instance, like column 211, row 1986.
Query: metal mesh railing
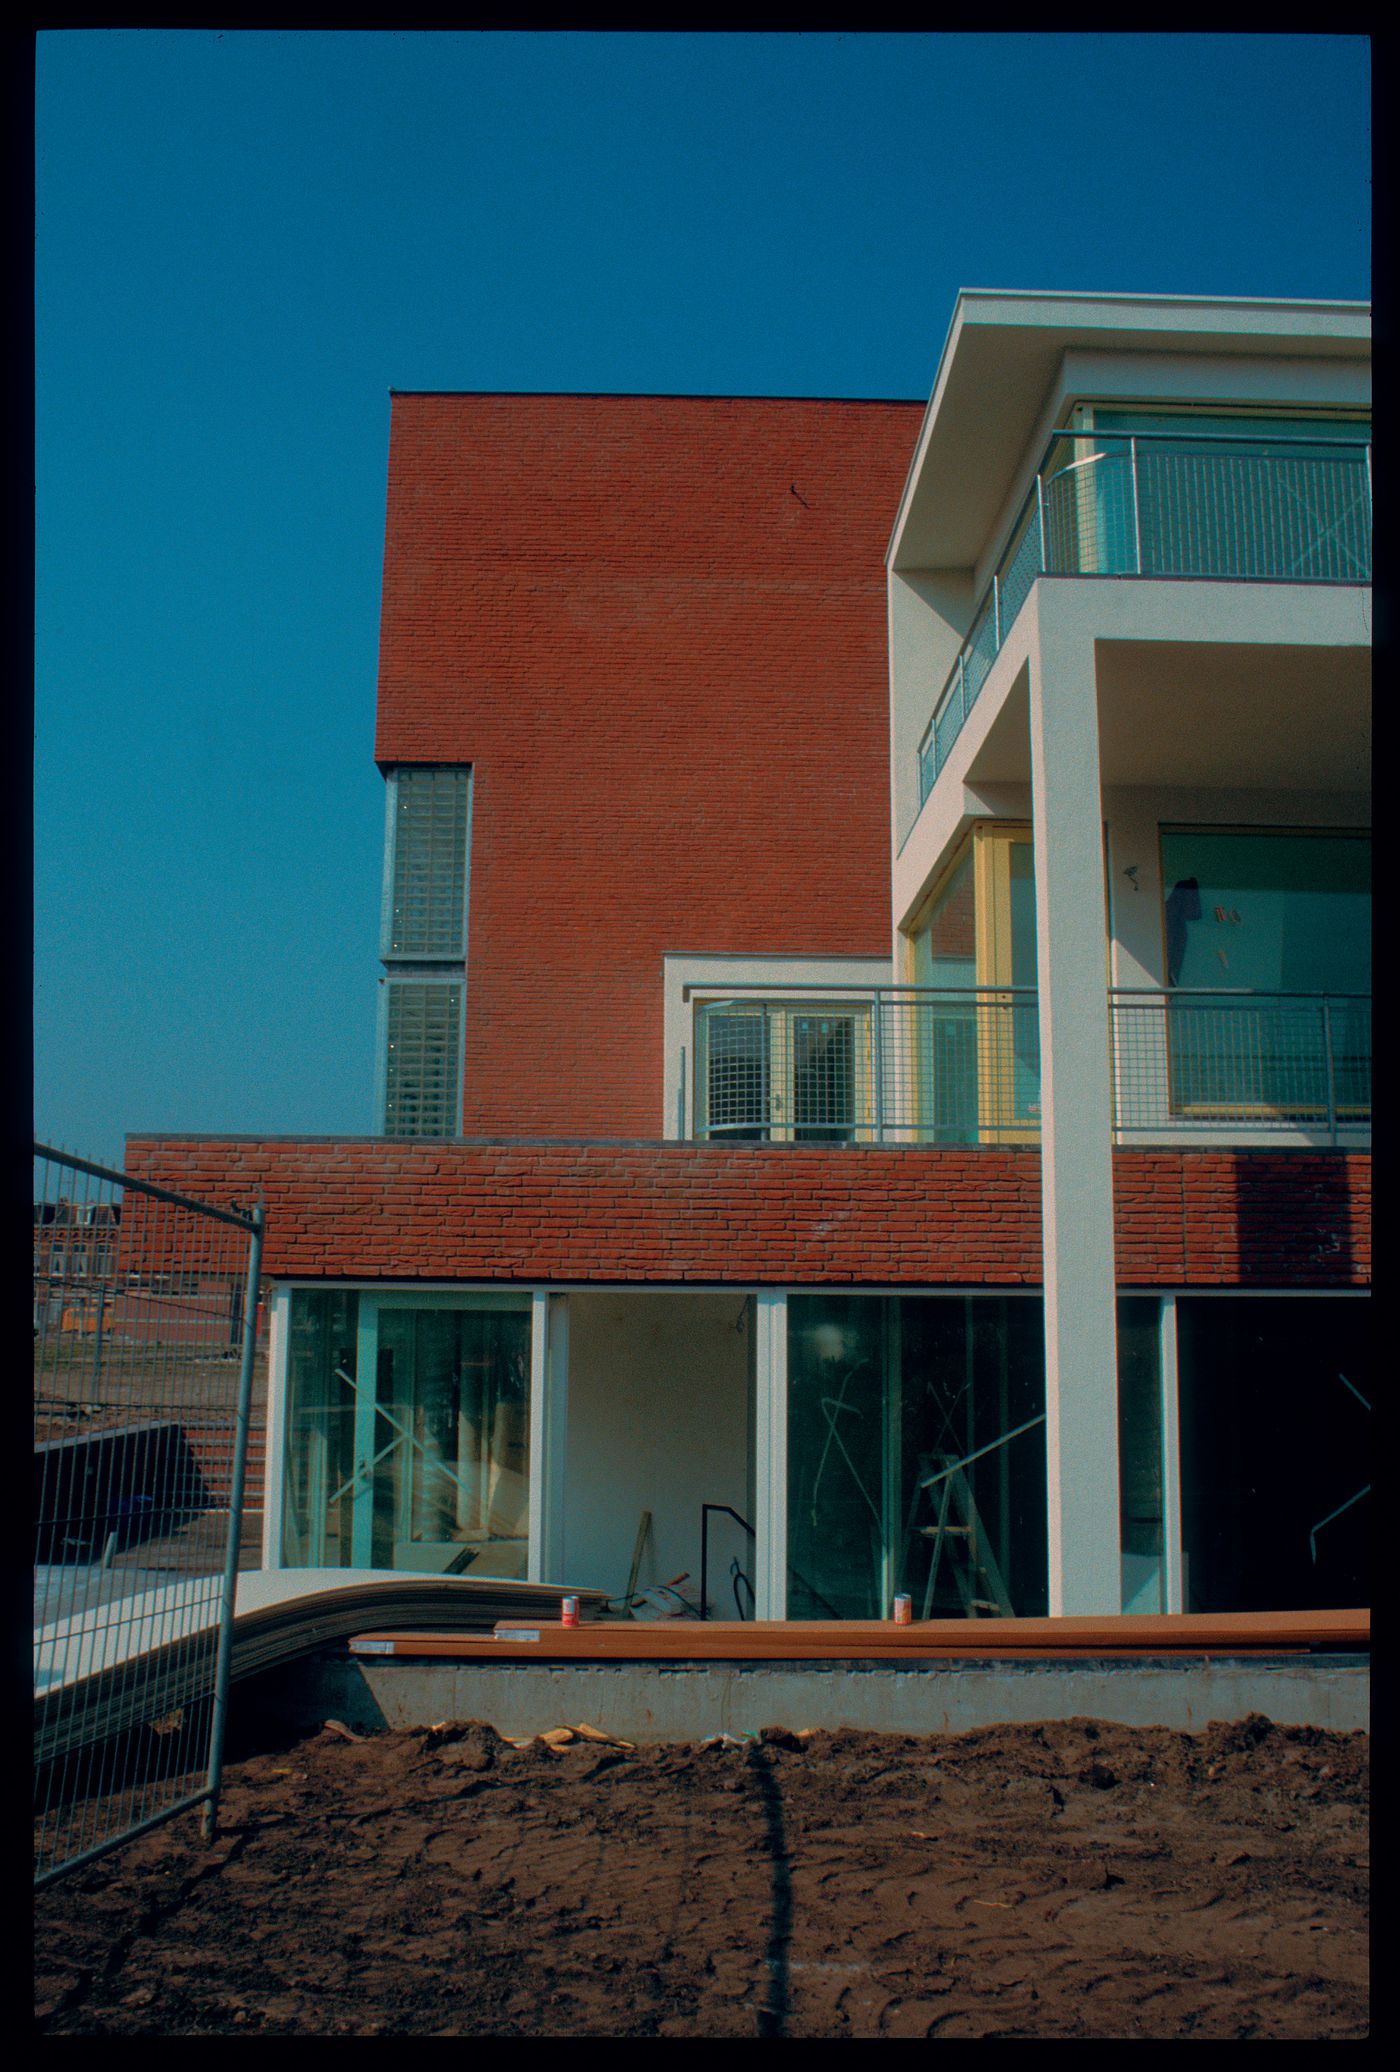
column 1196, row 504
column 144, row 1347
column 1241, row 1061
column 923, row 1065
column 899, row 1065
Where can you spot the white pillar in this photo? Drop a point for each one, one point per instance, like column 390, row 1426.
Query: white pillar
column 549, row 1395
column 275, row 1440
column 1081, row 1364
column 1173, row 1564
column 770, row 1455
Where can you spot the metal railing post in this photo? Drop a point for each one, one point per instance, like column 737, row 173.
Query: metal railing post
column 1331, row 1072
column 996, row 611
column 1040, row 512
column 962, row 688
column 877, row 1064
column 219, row 1713
column 1137, row 516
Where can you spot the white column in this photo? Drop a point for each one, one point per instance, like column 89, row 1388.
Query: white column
column 1173, row 1566
column 549, row 1393
column 557, row 1411
column 1081, row 1365
column 770, row 1455
column 275, row 1441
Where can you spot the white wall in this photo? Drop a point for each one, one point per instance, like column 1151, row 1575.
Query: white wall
column 658, row 1421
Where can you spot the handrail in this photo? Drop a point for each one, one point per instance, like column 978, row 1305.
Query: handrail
column 713, row 994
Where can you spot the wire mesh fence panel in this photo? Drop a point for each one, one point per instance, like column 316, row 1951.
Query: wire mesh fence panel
column 144, row 1313
column 1261, row 1062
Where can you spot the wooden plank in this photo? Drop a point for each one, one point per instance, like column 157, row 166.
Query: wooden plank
column 1349, row 1627
column 473, row 1647
column 1141, row 1635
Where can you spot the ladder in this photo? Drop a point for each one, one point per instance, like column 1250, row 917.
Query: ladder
column 942, row 1485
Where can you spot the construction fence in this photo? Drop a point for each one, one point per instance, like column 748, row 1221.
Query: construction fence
column 146, row 1328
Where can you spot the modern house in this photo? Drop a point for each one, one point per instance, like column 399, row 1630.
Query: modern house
column 874, row 1035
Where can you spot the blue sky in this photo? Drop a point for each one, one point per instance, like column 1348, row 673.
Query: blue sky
column 245, row 240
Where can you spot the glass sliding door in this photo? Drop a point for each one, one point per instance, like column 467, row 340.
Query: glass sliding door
column 408, row 1432
column 916, row 1455
column 774, row 1073
column 1277, row 1450
column 1141, row 1494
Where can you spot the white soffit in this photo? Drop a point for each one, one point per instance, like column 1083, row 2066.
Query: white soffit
column 1001, row 359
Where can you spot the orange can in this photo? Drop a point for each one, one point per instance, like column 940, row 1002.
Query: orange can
column 568, row 1611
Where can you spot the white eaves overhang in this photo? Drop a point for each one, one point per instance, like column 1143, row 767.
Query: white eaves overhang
column 999, row 364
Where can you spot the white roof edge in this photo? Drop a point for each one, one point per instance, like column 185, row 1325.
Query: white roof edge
column 1116, row 295
column 926, row 425
column 1062, row 299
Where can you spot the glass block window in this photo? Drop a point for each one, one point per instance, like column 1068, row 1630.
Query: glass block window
column 426, row 863
column 423, row 1043
column 423, row 934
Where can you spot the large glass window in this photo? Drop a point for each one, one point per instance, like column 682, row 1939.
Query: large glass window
column 1276, row 1452
column 408, row 1432
column 1140, row 1486
column 1268, row 953
column 973, row 1052
column 916, row 1455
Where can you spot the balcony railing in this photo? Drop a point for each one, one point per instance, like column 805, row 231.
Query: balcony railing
column 1202, row 504
column 1236, row 1062
column 923, row 1065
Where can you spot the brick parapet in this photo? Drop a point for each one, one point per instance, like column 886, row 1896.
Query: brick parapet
column 765, row 1215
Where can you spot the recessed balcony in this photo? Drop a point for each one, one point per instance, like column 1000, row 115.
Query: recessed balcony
column 923, row 1065
column 1198, row 505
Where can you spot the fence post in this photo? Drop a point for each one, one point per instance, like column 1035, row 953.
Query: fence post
column 219, row 1713
column 877, row 1065
column 1137, row 516
column 1040, row 512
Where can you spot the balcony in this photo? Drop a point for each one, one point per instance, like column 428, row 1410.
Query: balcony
column 918, row 1065
column 1198, row 505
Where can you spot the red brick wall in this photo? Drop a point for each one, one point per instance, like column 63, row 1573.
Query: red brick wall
column 668, row 672
column 773, row 1215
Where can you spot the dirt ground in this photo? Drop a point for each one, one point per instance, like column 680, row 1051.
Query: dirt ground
column 1070, row 1880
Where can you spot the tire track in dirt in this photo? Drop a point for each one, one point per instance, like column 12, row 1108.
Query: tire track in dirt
column 1071, row 1879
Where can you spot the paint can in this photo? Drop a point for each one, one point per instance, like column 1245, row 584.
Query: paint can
column 568, row 1611
column 903, row 1611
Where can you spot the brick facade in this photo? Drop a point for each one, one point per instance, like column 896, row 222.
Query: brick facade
column 655, row 627
column 765, row 1215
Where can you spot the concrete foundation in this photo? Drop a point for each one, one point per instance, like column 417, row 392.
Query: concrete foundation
column 652, row 1701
